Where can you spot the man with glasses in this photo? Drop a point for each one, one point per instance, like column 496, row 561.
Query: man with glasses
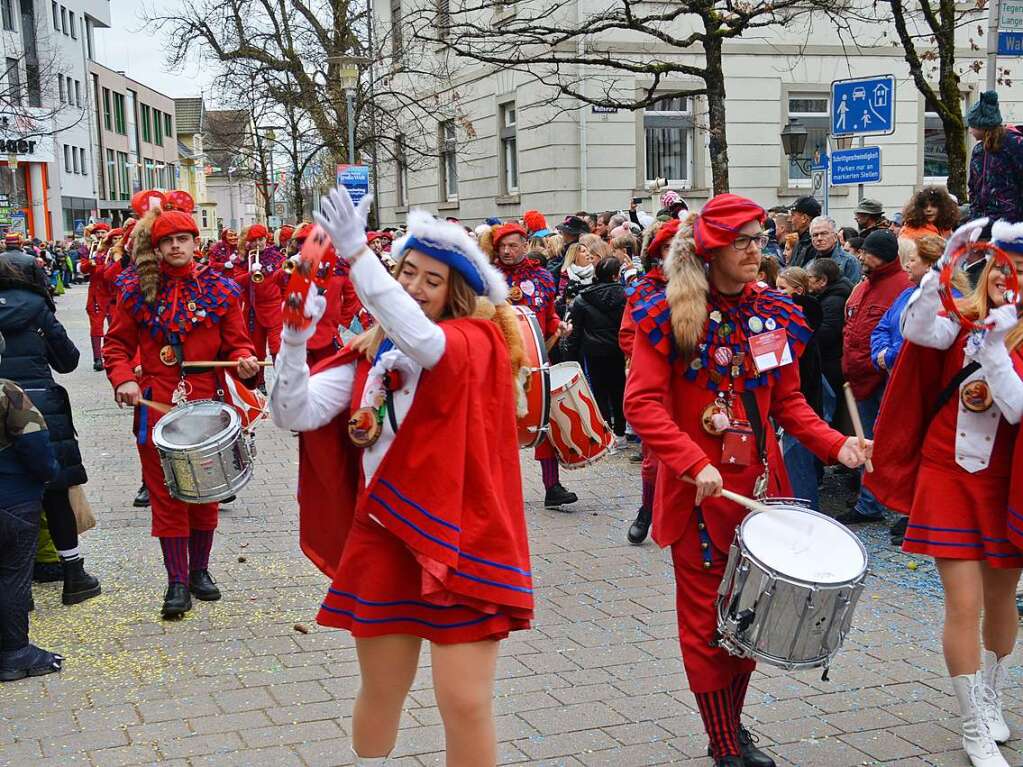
column 824, row 238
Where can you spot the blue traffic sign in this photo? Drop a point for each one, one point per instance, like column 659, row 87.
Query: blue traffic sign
column 863, row 106
column 1010, row 43
column 856, row 166
column 354, row 178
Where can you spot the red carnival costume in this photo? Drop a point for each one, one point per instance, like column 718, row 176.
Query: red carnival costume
column 98, row 297
column 261, row 290
column 193, row 316
column 667, row 400
column 223, row 255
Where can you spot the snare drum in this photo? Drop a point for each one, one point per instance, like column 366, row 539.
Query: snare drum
column 790, row 587
column 205, row 454
column 578, row 431
column 537, row 382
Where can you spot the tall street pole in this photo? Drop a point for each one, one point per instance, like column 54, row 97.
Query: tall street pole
column 350, row 99
column 992, row 43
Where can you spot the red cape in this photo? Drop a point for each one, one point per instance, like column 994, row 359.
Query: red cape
column 449, row 487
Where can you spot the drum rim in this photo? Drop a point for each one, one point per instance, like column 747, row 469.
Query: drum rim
column 577, row 373
column 543, row 369
column 801, row 581
column 234, row 425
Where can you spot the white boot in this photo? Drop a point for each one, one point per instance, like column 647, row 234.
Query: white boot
column 996, row 673
column 364, row 761
column 978, row 744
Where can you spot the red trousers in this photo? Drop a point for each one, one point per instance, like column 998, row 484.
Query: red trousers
column 648, row 470
column 171, row 518
column 263, row 337
column 97, row 319
column 708, row 667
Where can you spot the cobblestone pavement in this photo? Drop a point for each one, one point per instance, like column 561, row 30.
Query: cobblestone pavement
column 598, row 681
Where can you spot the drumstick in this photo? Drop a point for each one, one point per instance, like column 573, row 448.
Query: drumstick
column 221, row 364
column 854, row 415
column 155, row 405
column 742, row 500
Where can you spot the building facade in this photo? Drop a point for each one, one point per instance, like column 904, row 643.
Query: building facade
column 136, row 145
column 191, row 115
column 229, row 142
column 515, row 144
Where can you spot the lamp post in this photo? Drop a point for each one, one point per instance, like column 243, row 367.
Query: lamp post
column 793, row 142
column 349, row 76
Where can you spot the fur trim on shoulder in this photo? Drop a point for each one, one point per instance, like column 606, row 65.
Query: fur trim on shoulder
column 146, row 260
column 687, row 289
column 449, row 236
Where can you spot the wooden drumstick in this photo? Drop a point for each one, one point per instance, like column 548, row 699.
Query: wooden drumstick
column 221, row 364
column 742, row 500
column 159, row 406
column 854, row 415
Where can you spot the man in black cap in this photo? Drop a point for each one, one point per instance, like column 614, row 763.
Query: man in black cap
column 869, row 217
column 802, row 214
column 571, row 229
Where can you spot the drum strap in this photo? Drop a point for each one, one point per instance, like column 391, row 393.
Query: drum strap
column 749, row 402
column 391, row 416
column 954, row 384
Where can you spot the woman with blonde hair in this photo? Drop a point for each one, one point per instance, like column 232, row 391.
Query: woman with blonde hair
column 410, row 494
column 578, row 268
column 945, row 435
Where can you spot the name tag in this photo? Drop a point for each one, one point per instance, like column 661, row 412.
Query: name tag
column 770, row 350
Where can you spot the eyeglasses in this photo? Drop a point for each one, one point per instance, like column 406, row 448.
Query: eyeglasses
column 743, row 241
column 821, row 235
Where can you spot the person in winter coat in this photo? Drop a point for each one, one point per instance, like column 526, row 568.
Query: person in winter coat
column 868, row 302
column 832, row 291
column 996, row 165
column 596, row 318
column 824, row 236
column 37, row 342
column 801, row 216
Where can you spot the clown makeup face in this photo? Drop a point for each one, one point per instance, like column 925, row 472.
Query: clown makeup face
column 426, row 280
column 178, row 249
column 737, row 264
column 511, row 249
column 998, row 280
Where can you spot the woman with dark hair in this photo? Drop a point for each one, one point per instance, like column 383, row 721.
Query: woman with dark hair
column 596, row 318
column 931, row 211
column 996, row 165
column 37, row 342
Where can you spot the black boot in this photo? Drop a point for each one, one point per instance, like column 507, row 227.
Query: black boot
column 97, row 365
column 176, row 602
column 898, row 531
column 78, row 584
column 729, row 761
column 558, row 496
column 751, row 755
column 141, row 498
column 203, row 586
column 640, row 527
column 28, row 661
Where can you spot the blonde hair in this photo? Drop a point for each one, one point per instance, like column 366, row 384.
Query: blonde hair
column 687, row 289
column 598, row 248
column 929, row 248
column 796, row 276
column 975, row 306
column 554, row 245
column 907, row 248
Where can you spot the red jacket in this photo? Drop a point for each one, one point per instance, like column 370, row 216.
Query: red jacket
column 867, row 303
column 98, row 297
column 262, row 300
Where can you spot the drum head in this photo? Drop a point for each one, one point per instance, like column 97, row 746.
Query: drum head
column 195, row 424
column 563, row 374
column 817, row 549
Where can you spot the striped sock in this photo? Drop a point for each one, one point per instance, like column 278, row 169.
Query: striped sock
column 199, row 546
column 740, row 683
column 69, row 555
column 549, row 469
column 175, row 559
column 648, row 495
column 719, row 722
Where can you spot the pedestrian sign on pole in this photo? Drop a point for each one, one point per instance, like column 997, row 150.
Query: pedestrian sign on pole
column 863, row 106
column 354, row 178
column 856, row 166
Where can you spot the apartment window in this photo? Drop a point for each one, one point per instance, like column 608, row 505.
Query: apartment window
column 74, row 30
column 448, row 161
column 668, row 135
column 60, row 88
column 74, row 160
column 67, row 159
column 111, row 176
column 107, row 118
column 119, row 122
column 34, row 84
column 63, row 19
column 396, row 40
column 14, row 81
column 401, row 172
column 443, row 18
column 147, row 125
column 78, row 93
column 811, row 109
column 123, row 176
column 167, row 125
column 205, row 218
column 157, row 128
column 172, row 176
column 509, row 149
column 56, row 16
column 7, row 12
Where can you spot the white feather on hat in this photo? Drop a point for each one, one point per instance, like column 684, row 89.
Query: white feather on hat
column 452, row 238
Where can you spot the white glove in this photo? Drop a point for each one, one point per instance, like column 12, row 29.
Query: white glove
column 344, row 222
column 930, row 282
column 315, row 306
column 968, row 232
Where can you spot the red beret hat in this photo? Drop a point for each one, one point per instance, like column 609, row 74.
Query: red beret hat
column 171, row 222
column 663, row 237
column 284, row 234
column 500, row 232
column 101, row 226
column 256, row 232
column 534, row 220
column 721, row 219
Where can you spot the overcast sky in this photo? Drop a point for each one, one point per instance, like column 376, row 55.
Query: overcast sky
column 140, row 53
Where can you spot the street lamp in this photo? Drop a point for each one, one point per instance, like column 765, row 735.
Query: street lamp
column 349, row 76
column 793, row 141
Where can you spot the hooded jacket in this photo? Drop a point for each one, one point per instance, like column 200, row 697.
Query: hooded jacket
column 596, row 318
column 829, row 335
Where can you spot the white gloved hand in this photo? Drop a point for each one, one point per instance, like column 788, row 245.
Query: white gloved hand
column 930, row 282
column 999, row 322
column 344, row 221
column 968, row 232
column 314, row 309
column 999, row 372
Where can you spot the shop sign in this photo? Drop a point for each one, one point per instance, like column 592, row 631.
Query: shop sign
column 27, row 137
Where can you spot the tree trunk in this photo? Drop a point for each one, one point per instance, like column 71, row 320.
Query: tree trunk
column 717, row 125
column 955, row 147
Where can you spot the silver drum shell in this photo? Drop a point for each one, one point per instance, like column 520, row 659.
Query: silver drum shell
column 786, row 622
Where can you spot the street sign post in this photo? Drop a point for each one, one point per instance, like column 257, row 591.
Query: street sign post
column 856, row 166
column 819, row 182
column 1010, row 28
column 354, row 178
column 863, row 106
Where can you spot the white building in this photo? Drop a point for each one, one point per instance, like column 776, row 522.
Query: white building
column 49, row 190
column 527, row 148
column 229, row 143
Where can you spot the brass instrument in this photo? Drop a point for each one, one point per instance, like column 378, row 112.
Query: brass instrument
column 257, row 269
column 288, row 266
